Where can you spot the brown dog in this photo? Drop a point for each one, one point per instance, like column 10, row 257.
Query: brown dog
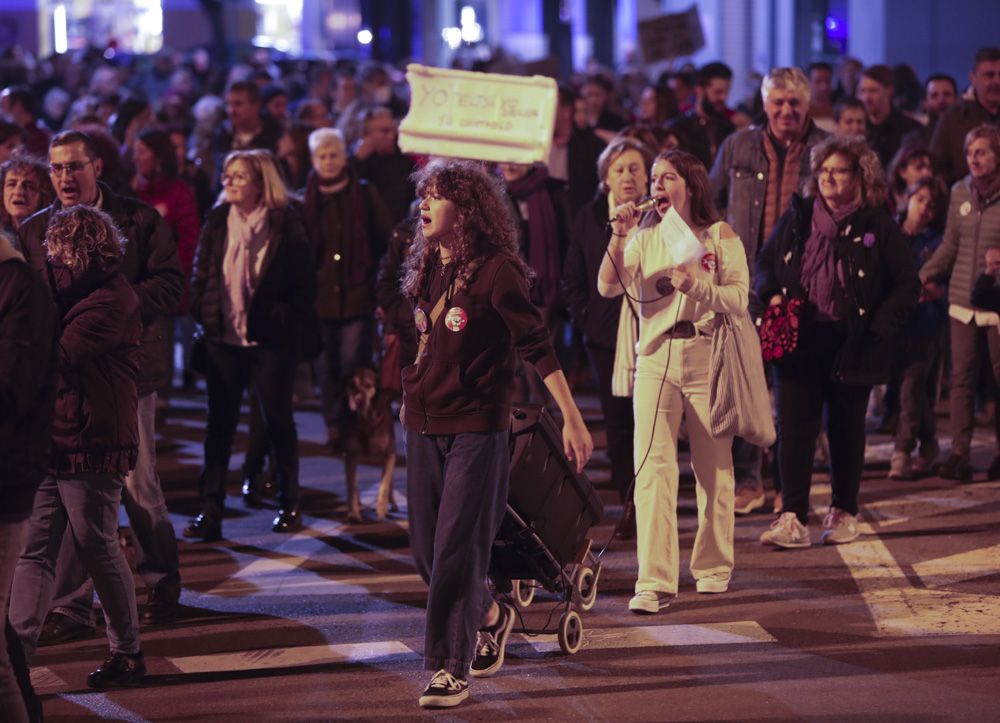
column 367, row 433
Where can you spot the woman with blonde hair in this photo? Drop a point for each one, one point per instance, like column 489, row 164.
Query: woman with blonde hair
column 252, row 293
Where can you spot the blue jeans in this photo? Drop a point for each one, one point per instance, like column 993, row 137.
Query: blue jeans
column 156, row 558
column 88, row 505
column 457, row 495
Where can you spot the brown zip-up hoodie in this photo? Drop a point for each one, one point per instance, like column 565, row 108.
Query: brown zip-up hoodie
column 464, row 383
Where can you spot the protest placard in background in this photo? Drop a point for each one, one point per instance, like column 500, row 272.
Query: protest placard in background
column 670, row 36
column 482, row 116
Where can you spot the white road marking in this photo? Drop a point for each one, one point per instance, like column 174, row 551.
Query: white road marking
column 42, row 677
column 960, row 567
column 654, row 636
column 268, row 658
column 103, row 707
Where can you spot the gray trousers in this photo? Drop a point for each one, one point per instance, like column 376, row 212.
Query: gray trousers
column 968, row 343
column 156, row 559
column 85, row 505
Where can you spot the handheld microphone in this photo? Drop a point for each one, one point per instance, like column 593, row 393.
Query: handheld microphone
column 647, row 204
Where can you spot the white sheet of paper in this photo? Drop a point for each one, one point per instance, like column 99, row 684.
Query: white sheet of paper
column 682, row 245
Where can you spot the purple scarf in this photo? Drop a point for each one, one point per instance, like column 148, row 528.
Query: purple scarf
column 542, row 243
column 821, row 275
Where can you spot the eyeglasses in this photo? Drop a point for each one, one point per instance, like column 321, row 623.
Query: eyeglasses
column 235, row 179
column 73, row 167
column 835, row 172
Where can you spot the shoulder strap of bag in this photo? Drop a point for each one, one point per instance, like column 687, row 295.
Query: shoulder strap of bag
column 439, row 307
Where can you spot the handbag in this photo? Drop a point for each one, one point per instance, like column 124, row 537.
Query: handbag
column 779, row 329
column 738, row 400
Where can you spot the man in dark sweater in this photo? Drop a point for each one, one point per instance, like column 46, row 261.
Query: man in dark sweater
column 886, row 125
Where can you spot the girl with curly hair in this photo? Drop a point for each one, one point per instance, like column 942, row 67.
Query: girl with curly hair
column 469, row 289
column 841, row 252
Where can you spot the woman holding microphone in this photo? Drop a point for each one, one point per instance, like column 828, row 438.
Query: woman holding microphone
column 678, row 300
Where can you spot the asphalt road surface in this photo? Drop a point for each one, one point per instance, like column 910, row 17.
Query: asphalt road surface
column 327, row 624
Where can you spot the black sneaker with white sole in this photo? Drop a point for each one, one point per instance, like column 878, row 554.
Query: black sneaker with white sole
column 444, row 691
column 491, row 644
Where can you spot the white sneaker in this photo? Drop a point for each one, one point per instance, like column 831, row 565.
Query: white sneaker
column 747, row 499
column 715, row 583
column 839, row 527
column 444, row 691
column 786, row 531
column 649, row 602
column 901, row 466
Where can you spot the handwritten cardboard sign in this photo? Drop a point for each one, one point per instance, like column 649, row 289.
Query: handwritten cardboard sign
column 671, row 36
column 481, row 116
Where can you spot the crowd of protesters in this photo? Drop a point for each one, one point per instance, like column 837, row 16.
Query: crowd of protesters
column 258, row 216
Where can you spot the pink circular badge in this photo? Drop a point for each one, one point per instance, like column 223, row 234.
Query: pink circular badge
column 456, row 319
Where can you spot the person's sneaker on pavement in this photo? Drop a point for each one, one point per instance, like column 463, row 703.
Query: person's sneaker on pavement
column 717, row 582
column 444, row 691
column 956, row 467
column 900, row 466
column 491, row 644
column 839, row 526
column 786, row 531
column 748, row 499
column 649, row 602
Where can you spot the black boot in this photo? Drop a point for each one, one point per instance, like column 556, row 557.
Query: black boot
column 119, row 670
column 288, row 520
column 253, row 497
column 204, row 528
column 161, row 605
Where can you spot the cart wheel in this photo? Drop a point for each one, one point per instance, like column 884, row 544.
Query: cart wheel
column 524, row 592
column 586, row 588
column 570, row 632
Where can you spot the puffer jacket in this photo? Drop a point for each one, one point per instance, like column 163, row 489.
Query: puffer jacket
column 150, row 264
column 969, row 231
column 880, row 283
column 28, row 363
column 96, row 425
column 739, row 180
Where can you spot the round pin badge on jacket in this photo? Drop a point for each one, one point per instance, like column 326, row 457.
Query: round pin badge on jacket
column 456, row 319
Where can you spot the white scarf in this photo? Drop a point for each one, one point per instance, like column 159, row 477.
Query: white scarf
column 246, row 243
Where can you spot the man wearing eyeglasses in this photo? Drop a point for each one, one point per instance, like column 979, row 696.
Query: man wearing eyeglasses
column 151, row 265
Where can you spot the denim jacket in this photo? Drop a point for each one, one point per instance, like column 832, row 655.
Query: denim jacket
column 739, row 180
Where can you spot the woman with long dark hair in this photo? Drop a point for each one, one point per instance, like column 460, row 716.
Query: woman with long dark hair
column 469, row 288
column 680, row 292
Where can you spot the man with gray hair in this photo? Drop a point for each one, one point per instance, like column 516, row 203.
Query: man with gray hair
column 754, row 176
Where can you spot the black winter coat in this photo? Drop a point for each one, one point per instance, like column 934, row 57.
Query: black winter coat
column 28, row 363
column 594, row 315
column 281, row 313
column 880, row 279
column 150, row 264
column 96, row 425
